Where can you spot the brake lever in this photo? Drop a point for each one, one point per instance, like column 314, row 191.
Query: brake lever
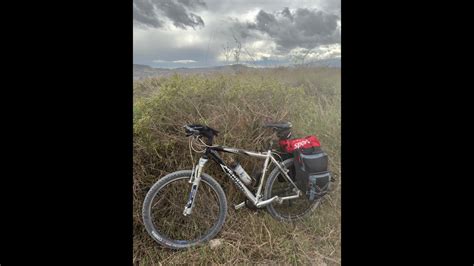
column 190, row 131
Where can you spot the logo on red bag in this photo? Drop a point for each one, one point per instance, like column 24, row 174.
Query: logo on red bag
column 301, row 143
column 289, row 145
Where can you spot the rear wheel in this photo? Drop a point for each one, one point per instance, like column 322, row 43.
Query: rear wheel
column 163, row 210
column 288, row 210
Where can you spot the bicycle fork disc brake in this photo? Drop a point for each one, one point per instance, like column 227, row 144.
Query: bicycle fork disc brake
column 195, row 180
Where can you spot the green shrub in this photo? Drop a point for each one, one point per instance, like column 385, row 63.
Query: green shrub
column 236, row 105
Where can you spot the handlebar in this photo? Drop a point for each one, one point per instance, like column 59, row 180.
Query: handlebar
column 200, row 130
column 190, row 131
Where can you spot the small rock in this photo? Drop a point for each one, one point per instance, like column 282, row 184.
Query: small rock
column 215, row 243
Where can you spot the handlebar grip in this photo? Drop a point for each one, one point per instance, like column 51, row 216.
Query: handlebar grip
column 190, row 129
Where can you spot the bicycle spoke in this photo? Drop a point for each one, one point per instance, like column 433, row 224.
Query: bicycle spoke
column 292, row 208
column 167, row 211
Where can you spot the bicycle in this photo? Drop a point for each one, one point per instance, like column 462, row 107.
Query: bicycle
column 170, row 202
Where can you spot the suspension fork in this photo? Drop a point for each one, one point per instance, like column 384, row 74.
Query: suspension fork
column 194, row 180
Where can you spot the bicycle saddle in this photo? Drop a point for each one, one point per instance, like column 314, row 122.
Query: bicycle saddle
column 278, row 125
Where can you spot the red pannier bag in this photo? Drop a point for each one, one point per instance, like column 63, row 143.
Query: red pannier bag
column 290, row 145
column 310, row 162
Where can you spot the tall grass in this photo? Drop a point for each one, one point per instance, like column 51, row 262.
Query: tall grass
column 237, row 105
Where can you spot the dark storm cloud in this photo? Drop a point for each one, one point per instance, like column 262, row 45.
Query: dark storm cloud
column 144, row 13
column 273, row 30
column 193, row 3
column 151, row 12
column 286, row 13
column 305, row 28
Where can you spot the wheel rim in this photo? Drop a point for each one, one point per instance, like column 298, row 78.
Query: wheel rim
column 293, row 208
column 166, row 212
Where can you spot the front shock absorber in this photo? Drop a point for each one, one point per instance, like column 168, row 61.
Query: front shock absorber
column 195, row 179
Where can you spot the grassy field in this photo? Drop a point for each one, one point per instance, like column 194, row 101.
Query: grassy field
column 237, row 104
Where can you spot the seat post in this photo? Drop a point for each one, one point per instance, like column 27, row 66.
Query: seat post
column 271, row 145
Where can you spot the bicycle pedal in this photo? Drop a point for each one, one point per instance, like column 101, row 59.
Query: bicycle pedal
column 240, row 205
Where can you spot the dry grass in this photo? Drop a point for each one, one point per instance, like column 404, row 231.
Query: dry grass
column 237, row 105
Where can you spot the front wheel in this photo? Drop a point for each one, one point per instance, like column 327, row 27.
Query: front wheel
column 292, row 209
column 163, row 210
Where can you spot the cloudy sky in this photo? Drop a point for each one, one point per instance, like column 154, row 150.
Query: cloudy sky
column 199, row 33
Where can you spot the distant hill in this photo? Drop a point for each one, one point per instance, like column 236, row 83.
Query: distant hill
column 144, row 71
column 141, row 67
column 335, row 62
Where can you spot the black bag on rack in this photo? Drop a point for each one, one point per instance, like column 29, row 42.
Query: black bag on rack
column 311, row 171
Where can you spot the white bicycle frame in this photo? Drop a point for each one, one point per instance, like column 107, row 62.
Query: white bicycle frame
column 255, row 199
